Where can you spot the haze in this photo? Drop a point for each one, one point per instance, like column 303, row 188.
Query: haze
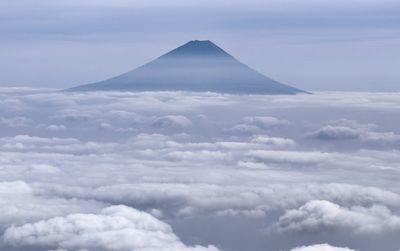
column 313, row 45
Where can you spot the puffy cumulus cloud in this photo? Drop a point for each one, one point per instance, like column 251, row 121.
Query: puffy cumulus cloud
column 321, row 247
column 114, row 228
column 19, row 203
column 321, row 216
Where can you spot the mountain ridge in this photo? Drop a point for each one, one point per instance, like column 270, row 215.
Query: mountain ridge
column 198, row 66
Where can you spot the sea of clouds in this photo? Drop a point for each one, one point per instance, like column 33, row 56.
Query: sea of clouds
column 198, row 171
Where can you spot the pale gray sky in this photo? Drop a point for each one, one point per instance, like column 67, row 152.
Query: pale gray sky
column 311, row 44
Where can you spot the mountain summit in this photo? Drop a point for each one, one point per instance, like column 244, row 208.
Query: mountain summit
column 198, row 48
column 197, row 66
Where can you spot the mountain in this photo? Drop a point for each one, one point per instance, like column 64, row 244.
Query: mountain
column 197, row 66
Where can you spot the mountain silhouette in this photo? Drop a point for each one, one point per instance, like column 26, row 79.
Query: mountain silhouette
column 197, row 66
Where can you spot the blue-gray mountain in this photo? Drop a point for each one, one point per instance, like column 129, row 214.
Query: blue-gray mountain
column 198, row 66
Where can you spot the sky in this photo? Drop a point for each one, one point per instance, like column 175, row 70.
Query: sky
column 311, row 44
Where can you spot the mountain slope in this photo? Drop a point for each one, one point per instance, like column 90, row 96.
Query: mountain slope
column 196, row 66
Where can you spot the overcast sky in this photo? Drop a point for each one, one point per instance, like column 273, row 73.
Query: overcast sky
column 311, row 44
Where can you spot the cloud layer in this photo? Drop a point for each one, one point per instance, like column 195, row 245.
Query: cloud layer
column 182, row 171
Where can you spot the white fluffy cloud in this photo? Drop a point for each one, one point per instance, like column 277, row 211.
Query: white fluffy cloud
column 321, row 247
column 318, row 215
column 114, row 228
column 19, row 203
